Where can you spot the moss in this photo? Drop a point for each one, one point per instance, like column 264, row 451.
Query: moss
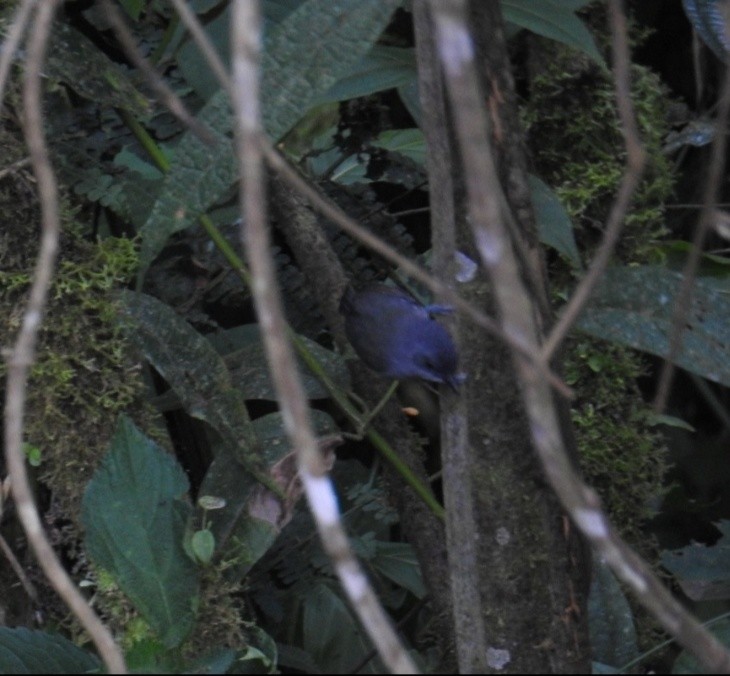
column 575, row 136
column 84, row 373
column 621, row 453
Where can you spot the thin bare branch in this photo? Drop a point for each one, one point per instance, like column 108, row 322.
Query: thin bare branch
column 12, row 168
column 246, row 45
column 457, row 54
column 10, row 43
column 684, row 298
column 635, row 162
column 29, row 587
column 22, row 355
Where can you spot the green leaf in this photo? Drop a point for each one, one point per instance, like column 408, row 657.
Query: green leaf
column 253, row 517
column 554, row 224
column 190, row 365
column 203, row 545
column 312, row 48
column 635, row 307
column 398, row 562
column 330, row 633
column 554, row 19
column 24, row 651
column 703, row 571
column 132, row 7
column 380, row 69
column 135, row 512
column 613, row 634
column 244, row 354
column 408, row 142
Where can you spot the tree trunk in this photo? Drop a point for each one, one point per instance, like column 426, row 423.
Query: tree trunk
column 518, row 574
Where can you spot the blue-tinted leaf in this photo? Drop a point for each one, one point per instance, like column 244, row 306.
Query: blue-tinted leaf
column 611, row 622
column 24, row 651
column 135, row 512
column 635, row 307
column 708, row 19
column 554, row 224
column 553, row 19
column 703, row 571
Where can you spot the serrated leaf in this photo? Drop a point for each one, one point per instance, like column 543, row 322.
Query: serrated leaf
column 613, row 634
column 553, row 19
column 635, row 307
column 135, row 512
column 554, row 224
column 304, row 56
column 245, row 357
column 253, row 517
column 25, row 651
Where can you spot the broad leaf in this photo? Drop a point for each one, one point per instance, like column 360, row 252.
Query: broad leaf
column 703, row 571
column 380, row 69
column 252, row 516
column 555, row 226
column 135, row 513
column 304, row 56
column 709, row 19
column 190, row 365
column 613, row 634
column 331, row 635
column 23, row 651
column 554, row 19
column 398, row 562
column 245, row 357
column 635, row 307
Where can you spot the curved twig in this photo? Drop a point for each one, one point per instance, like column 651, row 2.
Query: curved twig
column 635, row 162
column 22, row 355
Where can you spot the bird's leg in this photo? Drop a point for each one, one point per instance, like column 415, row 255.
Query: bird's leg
column 369, row 416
